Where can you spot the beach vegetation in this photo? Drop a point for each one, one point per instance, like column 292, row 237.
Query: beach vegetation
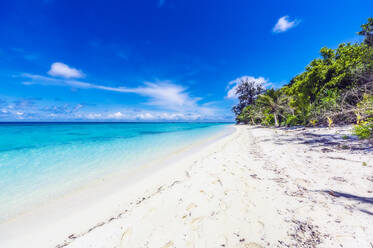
column 367, row 32
column 313, row 122
column 247, row 91
column 364, row 130
column 334, row 89
column 274, row 101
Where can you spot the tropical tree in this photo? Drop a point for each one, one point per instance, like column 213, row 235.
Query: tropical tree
column 275, row 102
column 335, row 88
column 367, row 32
column 247, row 91
column 252, row 114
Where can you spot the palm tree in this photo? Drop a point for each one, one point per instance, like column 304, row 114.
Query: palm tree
column 275, row 101
column 367, row 32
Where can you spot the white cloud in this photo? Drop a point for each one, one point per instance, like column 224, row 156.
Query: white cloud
column 163, row 94
column 59, row 69
column 166, row 100
column 165, row 116
column 93, row 116
column 283, row 24
column 143, row 115
column 153, row 115
column 77, row 107
column 166, row 94
column 117, row 115
column 232, row 85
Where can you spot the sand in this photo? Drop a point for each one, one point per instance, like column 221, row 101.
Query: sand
column 257, row 187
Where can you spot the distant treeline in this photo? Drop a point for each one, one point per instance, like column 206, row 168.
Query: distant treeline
column 334, row 89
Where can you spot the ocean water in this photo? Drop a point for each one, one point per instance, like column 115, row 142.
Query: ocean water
column 42, row 161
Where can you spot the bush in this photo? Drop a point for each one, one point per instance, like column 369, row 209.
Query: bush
column 364, row 127
column 269, row 120
column 334, row 89
column 364, row 130
column 291, row 120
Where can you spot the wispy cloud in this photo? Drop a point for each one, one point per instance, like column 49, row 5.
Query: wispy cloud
column 63, row 108
column 164, row 100
column 233, row 85
column 27, row 109
column 59, row 69
column 164, row 93
column 284, row 23
column 143, row 115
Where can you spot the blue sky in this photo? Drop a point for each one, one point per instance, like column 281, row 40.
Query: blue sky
column 157, row 60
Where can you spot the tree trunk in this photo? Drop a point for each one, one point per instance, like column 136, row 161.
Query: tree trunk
column 276, row 120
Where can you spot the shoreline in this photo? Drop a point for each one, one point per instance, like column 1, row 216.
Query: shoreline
column 71, row 204
column 257, row 187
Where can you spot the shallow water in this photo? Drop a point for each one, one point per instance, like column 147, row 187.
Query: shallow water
column 41, row 161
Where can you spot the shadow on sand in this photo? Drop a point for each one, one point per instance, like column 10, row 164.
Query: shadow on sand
column 325, row 141
column 360, row 199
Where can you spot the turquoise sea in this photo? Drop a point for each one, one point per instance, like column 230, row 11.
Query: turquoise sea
column 41, row 161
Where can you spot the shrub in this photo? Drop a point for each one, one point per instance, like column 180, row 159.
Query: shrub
column 364, row 113
column 313, row 122
column 269, row 120
column 291, row 120
column 364, row 130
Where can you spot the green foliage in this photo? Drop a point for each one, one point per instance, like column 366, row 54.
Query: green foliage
column 313, row 122
column 335, row 88
column 274, row 101
column 364, row 110
column 244, row 116
column 269, row 120
column 292, row 120
column 365, row 107
column 364, row 130
column 317, row 89
column 367, row 32
column 247, row 91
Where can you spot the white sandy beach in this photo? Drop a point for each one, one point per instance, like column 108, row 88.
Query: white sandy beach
column 257, row 187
